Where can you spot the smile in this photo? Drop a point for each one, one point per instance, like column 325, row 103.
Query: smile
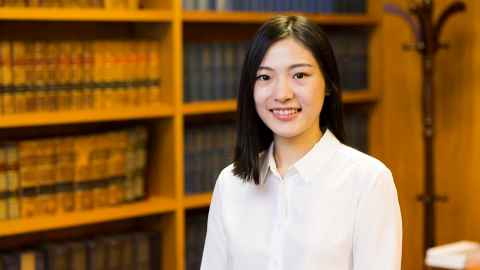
column 285, row 114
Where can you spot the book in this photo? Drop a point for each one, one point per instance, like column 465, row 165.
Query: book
column 457, row 255
column 28, row 260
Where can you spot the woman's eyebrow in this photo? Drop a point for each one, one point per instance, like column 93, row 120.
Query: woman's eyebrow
column 299, row 65
column 264, row 67
column 290, row 67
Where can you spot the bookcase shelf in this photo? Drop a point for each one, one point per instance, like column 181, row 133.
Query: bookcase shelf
column 152, row 206
column 85, row 116
column 260, row 17
column 226, row 106
column 84, row 14
column 208, row 107
column 197, row 200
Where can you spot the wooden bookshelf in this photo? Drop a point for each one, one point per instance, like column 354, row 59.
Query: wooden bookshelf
column 152, row 206
column 197, row 200
column 260, row 17
column 84, row 14
column 164, row 21
column 85, row 116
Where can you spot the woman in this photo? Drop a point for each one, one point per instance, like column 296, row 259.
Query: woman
column 295, row 197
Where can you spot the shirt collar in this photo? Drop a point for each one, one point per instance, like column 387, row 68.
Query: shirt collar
column 307, row 166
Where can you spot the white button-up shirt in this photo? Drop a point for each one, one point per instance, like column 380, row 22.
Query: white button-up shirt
column 334, row 209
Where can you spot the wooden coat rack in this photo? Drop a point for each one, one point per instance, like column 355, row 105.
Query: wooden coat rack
column 420, row 19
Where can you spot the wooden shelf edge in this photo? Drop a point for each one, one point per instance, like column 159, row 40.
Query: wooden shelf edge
column 197, row 200
column 260, row 17
column 84, row 14
column 84, row 116
column 151, row 206
column 206, row 107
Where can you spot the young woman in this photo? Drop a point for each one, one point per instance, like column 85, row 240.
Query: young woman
column 296, row 197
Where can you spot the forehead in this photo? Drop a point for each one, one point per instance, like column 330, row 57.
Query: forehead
column 288, row 51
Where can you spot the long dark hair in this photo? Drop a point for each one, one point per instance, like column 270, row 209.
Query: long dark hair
column 253, row 136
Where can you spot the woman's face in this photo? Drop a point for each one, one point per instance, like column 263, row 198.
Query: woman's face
column 289, row 90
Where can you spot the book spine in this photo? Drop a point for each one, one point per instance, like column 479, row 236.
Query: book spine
column 3, row 183
column 13, row 185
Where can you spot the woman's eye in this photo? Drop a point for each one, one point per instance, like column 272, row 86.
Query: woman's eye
column 263, row 77
column 300, row 75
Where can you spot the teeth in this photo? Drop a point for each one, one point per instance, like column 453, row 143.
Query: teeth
column 284, row 111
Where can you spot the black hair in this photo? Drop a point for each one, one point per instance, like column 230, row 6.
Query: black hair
column 253, row 136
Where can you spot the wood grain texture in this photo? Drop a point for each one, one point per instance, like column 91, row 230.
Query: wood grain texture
column 401, row 131
column 453, row 114
column 473, row 212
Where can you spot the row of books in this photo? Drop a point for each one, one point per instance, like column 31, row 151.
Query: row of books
column 356, row 128
column 351, row 52
column 64, row 174
column 137, row 250
column 107, row 4
column 323, row 6
column 212, row 70
column 208, row 149
column 38, row 75
column 196, row 231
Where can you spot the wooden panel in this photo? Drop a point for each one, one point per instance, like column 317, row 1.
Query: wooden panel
column 87, row 14
column 161, row 160
column 473, row 200
column 177, row 140
column 453, row 143
column 151, row 206
column 401, row 132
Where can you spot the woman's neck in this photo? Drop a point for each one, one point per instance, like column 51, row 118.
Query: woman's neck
column 287, row 151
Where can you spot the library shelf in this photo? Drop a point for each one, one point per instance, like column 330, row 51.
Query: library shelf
column 85, row 116
column 151, row 206
column 209, row 107
column 260, row 17
column 197, row 200
column 226, row 106
column 84, row 14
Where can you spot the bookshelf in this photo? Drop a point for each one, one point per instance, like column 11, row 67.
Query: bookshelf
column 166, row 206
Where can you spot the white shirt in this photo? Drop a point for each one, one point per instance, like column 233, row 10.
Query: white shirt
column 335, row 209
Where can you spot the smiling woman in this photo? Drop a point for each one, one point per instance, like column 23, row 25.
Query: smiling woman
column 295, row 196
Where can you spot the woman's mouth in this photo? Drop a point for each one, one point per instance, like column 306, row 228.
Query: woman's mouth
column 285, row 114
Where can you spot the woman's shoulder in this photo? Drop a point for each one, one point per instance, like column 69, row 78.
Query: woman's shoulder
column 227, row 176
column 362, row 163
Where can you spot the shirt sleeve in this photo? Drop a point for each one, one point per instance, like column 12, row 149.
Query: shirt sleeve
column 378, row 227
column 215, row 249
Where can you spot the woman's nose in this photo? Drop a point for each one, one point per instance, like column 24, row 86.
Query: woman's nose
column 283, row 92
